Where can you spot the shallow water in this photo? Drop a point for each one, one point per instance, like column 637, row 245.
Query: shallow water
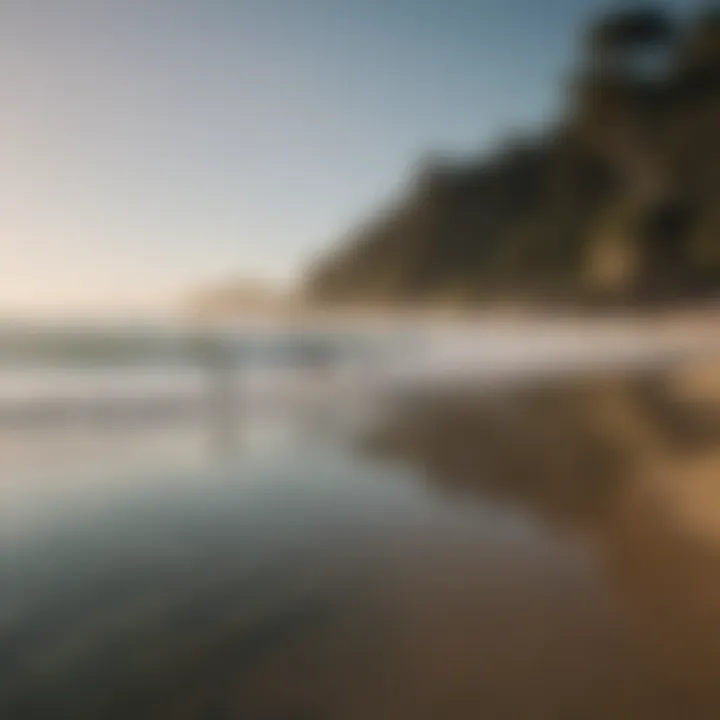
column 544, row 553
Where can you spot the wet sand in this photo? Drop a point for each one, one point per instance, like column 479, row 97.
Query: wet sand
column 550, row 551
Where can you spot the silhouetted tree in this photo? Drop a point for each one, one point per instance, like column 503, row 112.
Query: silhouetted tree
column 622, row 42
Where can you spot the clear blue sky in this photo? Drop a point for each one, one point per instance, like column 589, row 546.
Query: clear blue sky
column 148, row 145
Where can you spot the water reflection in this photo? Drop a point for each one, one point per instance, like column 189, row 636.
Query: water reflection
column 629, row 468
column 548, row 551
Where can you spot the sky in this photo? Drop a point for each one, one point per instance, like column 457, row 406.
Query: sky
column 151, row 146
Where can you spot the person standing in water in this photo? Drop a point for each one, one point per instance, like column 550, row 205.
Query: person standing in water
column 217, row 356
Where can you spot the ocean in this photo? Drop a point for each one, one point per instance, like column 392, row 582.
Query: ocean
column 325, row 530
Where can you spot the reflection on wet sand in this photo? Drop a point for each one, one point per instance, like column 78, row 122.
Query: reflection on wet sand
column 548, row 551
column 629, row 467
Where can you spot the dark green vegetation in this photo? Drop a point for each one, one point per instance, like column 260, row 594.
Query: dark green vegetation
column 619, row 202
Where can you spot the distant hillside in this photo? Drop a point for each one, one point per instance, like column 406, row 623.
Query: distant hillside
column 235, row 299
column 620, row 202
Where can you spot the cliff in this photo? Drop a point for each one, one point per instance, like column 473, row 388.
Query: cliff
column 620, row 202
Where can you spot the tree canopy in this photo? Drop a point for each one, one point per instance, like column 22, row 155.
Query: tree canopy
column 631, row 29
